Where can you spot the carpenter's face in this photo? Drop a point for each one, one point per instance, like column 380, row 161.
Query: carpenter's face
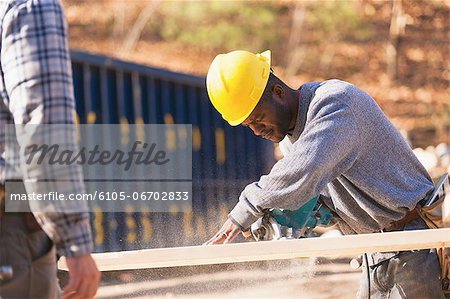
column 270, row 119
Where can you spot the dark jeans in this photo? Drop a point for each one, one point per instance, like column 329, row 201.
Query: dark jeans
column 404, row 274
column 408, row 274
column 32, row 257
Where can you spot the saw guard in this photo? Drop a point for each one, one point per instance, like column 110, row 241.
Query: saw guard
column 266, row 229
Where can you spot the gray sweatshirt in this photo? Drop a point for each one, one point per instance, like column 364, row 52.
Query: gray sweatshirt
column 342, row 146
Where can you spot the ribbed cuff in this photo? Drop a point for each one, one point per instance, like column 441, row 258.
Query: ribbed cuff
column 242, row 215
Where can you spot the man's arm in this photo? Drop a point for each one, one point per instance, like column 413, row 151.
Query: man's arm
column 327, row 148
column 37, row 75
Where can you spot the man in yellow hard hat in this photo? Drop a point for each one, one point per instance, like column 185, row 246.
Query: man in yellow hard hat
column 336, row 142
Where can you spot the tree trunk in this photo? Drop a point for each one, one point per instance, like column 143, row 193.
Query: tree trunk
column 119, row 19
column 396, row 31
column 294, row 49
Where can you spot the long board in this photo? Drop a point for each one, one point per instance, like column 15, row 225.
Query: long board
column 270, row 250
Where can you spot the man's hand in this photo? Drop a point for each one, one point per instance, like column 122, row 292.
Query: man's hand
column 84, row 278
column 225, row 235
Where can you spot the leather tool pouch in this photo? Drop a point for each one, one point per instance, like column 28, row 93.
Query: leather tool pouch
column 431, row 213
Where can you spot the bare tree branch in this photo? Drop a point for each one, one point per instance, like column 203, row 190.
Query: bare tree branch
column 138, row 26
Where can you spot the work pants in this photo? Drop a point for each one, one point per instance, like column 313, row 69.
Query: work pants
column 401, row 275
column 32, row 257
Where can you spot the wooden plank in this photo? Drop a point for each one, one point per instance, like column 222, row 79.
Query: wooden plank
column 270, row 250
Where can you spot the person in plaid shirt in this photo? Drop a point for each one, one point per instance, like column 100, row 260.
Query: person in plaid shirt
column 36, row 89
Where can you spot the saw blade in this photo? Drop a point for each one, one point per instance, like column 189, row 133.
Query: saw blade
column 266, row 229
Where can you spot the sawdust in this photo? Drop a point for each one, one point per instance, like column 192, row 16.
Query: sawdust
column 312, row 278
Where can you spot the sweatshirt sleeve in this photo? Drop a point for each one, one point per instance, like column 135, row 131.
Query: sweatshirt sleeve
column 326, row 149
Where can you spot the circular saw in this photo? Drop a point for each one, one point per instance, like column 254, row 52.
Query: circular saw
column 279, row 224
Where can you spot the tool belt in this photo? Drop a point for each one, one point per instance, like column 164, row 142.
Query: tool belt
column 30, row 222
column 429, row 215
column 432, row 222
column 432, row 215
column 430, row 211
column 400, row 224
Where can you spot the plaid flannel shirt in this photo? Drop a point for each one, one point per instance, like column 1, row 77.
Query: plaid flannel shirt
column 36, row 89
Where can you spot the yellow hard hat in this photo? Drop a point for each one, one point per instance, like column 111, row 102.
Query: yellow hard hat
column 236, row 82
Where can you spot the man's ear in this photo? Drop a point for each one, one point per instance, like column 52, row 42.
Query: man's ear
column 278, row 91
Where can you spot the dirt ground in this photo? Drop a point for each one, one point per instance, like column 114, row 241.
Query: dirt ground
column 307, row 278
